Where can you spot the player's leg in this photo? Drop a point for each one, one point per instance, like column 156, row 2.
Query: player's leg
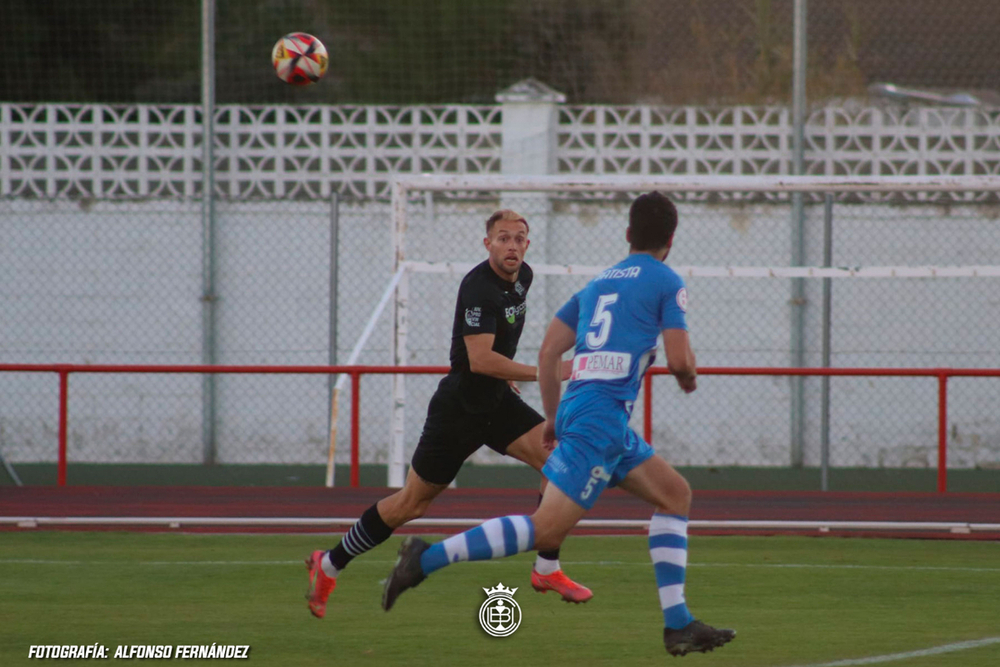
column 410, row 502
column 591, row 444
column 496, row 538
column 379, row 521
column 442, row 449
column 547, row 574
column 546, row 528
column 375, row 526
column 658, row 483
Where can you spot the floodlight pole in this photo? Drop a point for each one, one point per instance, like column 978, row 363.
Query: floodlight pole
column 798, row 298
column 332, row 387
column 824, row 406
column 209, row 297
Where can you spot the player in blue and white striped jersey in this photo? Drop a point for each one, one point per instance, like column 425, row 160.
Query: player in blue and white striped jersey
column 612, row 325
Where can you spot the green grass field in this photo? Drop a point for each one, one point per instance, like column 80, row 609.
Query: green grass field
column 794, row 601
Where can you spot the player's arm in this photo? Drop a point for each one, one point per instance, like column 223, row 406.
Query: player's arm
column 485, row 361
column 680, row 358
column 551, row 368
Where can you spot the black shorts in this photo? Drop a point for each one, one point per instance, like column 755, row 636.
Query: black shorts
column 451, row 434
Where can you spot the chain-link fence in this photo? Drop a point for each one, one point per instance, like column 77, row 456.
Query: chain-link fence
column 121, row 282
column 746, row 322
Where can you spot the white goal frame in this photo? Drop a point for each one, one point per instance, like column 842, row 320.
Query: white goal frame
column 403, row 186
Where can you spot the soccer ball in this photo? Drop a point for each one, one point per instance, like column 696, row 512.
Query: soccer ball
column 299, row 59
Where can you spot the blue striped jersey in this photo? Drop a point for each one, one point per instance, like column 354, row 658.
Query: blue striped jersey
column 618, row 318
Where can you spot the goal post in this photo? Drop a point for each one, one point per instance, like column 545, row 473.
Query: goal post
column 425, row 240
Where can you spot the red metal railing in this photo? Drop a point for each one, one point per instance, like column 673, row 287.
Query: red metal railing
column 942, row 374
column 355, row 373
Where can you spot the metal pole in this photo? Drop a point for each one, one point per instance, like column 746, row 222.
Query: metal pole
column 355, row 430
column 63, row 426
column 396, row 473
column 334, row 275
column 566, row 183
column 334, row 289
column 647, row 408
column 797, row 300
column 209, row 297
column 397, row 462
column 824, row 428
column 942, row 466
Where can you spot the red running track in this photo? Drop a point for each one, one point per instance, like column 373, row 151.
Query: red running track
column 322, row 503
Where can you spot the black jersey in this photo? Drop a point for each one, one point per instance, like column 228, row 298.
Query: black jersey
column 486, row 304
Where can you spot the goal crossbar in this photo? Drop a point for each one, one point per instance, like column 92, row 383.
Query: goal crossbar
column 625, row 183
column 985, row 271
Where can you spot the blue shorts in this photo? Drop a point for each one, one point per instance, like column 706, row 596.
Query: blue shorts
column 596, row 448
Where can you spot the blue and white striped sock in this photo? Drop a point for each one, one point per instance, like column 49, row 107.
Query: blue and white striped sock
column 496, row 538
column 668, row 549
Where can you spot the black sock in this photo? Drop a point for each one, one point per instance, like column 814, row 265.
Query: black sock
column 554, row 553
column 369, row 532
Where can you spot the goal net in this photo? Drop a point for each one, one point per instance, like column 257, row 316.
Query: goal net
column 781, row 271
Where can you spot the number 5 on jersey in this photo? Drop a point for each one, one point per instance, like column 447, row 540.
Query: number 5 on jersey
column 601, row 320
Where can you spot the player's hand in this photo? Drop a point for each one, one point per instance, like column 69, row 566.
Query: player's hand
column 687, row 384
column 549, row 435
column 513, row 385
column 567, row 369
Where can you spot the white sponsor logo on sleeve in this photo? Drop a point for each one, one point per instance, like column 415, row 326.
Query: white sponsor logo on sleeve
column 472, row 316
column 682, row 299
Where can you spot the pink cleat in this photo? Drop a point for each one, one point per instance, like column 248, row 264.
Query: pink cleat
column 561, row 584
column 320, row 585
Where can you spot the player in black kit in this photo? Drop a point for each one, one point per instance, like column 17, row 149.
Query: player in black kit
column 476, row 404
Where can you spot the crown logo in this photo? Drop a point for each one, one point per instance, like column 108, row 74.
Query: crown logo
column 500, row 615
column 500, row 590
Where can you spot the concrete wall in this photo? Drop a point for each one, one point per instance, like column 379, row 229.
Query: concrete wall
column 106, row 282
